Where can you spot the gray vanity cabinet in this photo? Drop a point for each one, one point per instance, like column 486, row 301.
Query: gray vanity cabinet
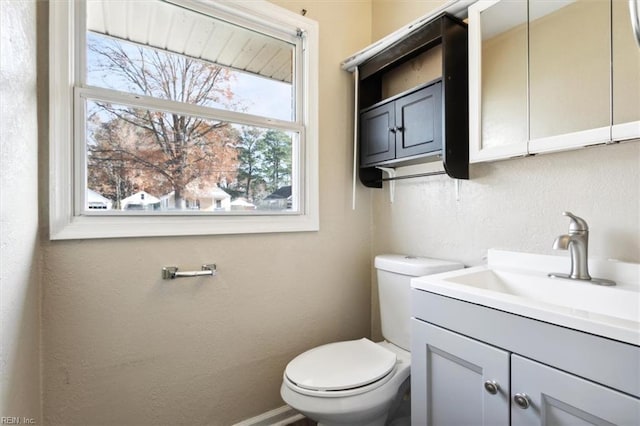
column 473, row 365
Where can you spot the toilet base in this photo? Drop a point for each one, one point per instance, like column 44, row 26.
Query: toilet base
column 337, row 413
column 333, row 412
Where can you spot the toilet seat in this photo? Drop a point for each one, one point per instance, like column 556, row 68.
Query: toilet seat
column 340, row 368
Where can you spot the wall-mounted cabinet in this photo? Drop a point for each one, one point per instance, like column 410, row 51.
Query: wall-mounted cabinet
column 413, row 102
column 405, row 127
column 551, row 76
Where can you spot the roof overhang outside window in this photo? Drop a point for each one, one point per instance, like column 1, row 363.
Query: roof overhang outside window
column 192, row 34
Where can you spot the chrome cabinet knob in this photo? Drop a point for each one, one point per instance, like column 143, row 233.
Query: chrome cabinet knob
column 491, row 386
column 521, row 400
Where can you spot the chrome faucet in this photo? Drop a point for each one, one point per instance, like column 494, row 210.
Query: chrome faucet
column 577, row 242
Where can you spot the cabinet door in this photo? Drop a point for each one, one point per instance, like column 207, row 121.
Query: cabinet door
column 418, row 122
column 378, row 139
column 558, row 398
column 569, row 74
column 498, row 73
column 626, row 74
column 448, row 376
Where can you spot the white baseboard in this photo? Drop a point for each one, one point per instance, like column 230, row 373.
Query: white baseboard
column 279, row 417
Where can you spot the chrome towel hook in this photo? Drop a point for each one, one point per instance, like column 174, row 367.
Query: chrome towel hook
column 171, row 272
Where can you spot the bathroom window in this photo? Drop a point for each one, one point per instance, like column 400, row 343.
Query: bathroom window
column 181, row 117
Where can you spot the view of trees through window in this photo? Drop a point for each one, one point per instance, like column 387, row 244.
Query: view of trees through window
column 141, row 158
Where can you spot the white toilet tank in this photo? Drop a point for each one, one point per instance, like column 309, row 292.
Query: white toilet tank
column 394, row 287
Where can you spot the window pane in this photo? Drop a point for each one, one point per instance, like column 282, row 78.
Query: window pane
column 159, row 49
column 159, row 162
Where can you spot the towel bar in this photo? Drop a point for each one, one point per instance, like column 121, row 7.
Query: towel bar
column 171, row 272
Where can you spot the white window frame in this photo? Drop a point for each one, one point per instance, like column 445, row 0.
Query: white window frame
column 65, row 188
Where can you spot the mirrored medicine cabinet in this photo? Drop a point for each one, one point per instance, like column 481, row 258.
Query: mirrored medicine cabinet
column 550, row 76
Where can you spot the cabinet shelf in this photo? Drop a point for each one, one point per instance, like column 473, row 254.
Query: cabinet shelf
column 425, row 123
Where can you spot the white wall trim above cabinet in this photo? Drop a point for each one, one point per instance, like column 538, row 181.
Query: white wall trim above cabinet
column 570, row 141
column 458, row 8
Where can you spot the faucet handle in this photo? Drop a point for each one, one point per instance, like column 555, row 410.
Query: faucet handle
column 577, row 224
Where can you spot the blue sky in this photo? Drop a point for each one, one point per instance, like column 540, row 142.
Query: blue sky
column 269, row 98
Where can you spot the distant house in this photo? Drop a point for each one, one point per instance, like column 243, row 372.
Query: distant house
column 242, row 204
column 96, row 201
column 140, row 201
column 281, row 199
column 197, row 196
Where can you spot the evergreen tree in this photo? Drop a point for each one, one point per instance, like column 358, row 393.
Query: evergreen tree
column 250, row 156
column 276, row 167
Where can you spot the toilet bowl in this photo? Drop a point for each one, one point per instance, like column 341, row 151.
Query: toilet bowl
column 357, row 382
column 364, row 383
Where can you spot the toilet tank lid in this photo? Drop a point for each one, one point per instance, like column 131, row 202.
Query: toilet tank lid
column 414, row 266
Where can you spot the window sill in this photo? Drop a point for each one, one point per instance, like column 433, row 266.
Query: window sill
column 94, row 227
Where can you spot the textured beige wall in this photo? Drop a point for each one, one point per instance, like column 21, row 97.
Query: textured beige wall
column 123, row 347
column 391, row 15
column 19, row 248
column 517, row 205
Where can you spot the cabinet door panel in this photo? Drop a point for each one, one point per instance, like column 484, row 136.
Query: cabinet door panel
column 498, row 73
column 448, row 376
column 626, row 74
column 569, row 72
column 419, row 122
column 558, row 398
column 378, row 139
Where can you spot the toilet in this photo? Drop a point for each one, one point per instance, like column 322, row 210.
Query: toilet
column 359, row 382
